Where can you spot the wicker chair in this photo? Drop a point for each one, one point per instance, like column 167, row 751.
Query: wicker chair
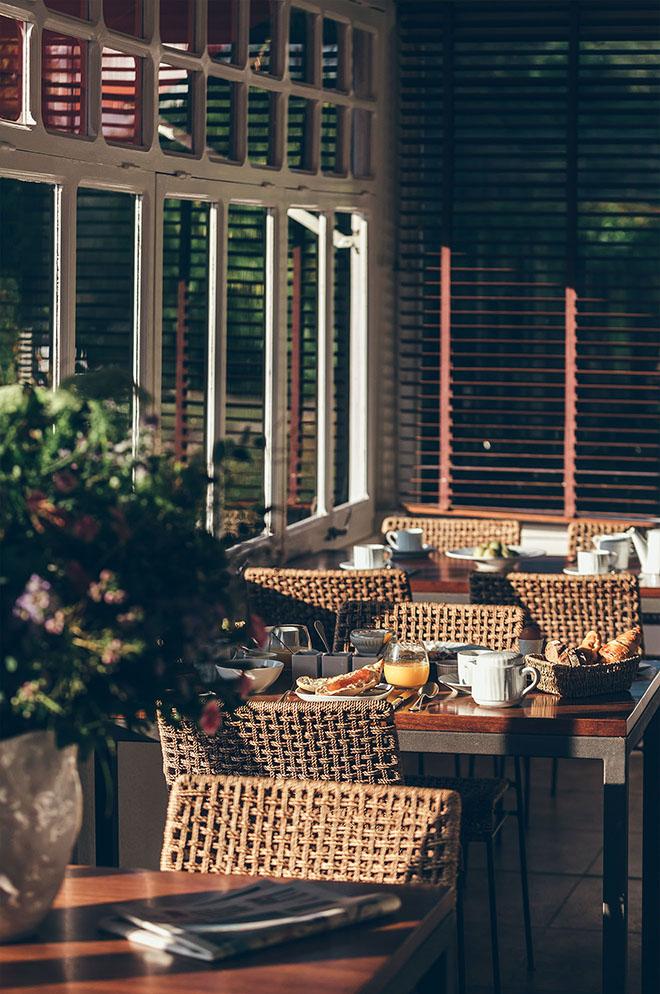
column 313, row 830
column 565, row 607
column 454, row 533
column 582, row 530
column 496, row 626
column 301, row 596
column 345, row 741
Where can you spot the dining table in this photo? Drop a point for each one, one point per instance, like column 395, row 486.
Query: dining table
column 605, row 728
column 412, row 948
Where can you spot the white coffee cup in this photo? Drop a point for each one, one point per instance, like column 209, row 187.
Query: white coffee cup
column 370, row 556
column 406, row 539
column 617, row 545
column 499, row 680
column 467, row 660
column 589, row 562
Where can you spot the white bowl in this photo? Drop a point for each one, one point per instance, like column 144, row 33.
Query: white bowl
column 261, row 676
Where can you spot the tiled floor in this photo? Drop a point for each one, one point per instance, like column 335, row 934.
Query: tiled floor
column 565, row 861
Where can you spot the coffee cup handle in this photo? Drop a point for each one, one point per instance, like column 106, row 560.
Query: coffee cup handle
column 390, row 538
column 535, row 675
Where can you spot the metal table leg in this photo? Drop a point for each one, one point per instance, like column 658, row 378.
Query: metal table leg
column 615, row 870
column 651, row 860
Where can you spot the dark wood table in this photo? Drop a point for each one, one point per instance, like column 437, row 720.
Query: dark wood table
column 69, row 955
column 437, row 574
column 603, row 728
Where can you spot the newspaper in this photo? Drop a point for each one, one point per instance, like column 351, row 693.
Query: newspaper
column 213, row 925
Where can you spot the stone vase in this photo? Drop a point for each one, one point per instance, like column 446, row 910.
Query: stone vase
column 40, row 816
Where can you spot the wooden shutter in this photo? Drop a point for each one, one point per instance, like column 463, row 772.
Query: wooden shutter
column 529, row 235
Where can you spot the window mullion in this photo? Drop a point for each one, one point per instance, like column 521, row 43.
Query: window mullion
column 323, row 384
column 64, row 333
column 328, row 442
column 275, row 420
column 357, row 476
column 217, row 342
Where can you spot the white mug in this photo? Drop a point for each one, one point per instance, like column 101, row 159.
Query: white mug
column 589, row 562
column 370, row 556
column 499, row 679
column 467, row 660
column 406, row 539
column 617, row 545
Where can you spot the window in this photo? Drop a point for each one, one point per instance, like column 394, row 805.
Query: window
column 172, row 177
column 26, row 282
column 529, row 243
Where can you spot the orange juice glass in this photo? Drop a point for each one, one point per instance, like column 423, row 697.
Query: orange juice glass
column 406, row 664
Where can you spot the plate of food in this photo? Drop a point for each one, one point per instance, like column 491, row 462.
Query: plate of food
column 360, row 685
column 495, row 556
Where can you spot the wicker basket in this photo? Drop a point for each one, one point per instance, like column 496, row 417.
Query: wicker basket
column 584, row 681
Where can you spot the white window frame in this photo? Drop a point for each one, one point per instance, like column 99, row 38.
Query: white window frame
column 29, row 152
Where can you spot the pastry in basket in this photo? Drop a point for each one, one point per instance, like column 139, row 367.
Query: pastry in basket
column 557, row 651
column 622, row 647
column 344, row 685
column 591, row 645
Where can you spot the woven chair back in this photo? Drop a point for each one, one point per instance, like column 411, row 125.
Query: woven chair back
column 582, row 530
column 565, row 607
column 456, row 533
column 312, row 830
column 498, row 627
column 348, row 741
column 301, row 596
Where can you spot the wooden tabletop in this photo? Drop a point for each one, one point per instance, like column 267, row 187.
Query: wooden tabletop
column 437, row 574
column 70, row 956
column 538, row 714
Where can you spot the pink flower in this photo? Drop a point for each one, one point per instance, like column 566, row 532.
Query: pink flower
column 114, row 596
column 55, row 625
column 86, row 528
column 64, row 481
column 243, row 686
column 210, row 720
column 112, row 652
column 95, row 591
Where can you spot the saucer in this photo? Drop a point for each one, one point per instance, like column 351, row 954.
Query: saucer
column 451, row 680
column 412, row 553
column 573, row 571
column 350, row 565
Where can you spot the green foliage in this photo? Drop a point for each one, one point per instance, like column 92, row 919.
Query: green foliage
column 112, row 597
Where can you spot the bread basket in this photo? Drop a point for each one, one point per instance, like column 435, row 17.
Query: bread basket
column 563, row 680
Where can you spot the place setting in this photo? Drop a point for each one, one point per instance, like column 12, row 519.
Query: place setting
column 408, row 543
column 495, row 556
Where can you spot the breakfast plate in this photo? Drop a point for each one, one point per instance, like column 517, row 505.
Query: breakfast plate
column 495, row 564
column 376, row 693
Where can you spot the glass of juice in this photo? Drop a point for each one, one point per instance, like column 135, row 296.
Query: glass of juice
column 406, row 664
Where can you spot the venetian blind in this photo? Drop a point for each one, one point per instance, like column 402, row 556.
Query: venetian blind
column 529, row 157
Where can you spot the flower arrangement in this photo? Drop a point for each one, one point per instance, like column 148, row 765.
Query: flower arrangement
column 113, row 596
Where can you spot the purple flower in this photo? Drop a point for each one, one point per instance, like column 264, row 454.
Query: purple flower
column 35, row 600
column 64, row 481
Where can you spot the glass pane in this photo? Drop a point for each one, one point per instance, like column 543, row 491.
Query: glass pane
column 261, row 106
column 124, row 16
column 246, row 334
column 11, row 69
column 74, row 8
column 299, row 133
column 332, row 36
column 261, row 45
column 223, row 30
column 301, row 55
column 63, row 83
column 362, row 63
column 185, row 325
column 105, row 280
column 121, row 97
column 361, row 143
column 26, row 282
column 219, row 116
column 175, row 125
column 177, row 24
column 341, row 352
column 302, row 366
column 330, row 139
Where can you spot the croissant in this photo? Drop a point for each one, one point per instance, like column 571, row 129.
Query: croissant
column 592, row 641
column 622, row 647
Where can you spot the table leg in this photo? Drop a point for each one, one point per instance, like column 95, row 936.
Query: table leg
column 651, row 860
column 615, row 871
